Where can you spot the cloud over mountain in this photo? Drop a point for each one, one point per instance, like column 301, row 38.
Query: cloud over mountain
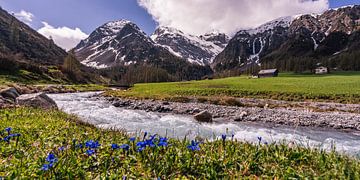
column 24, row 16
column 65, row 37
column 201, row 16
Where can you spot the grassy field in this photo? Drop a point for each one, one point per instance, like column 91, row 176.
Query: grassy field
column 337, row 87
column 53, row 145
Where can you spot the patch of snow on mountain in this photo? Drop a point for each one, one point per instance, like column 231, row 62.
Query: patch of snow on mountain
column 280, row 22
column 184, row 42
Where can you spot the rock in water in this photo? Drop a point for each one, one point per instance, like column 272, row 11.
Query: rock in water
column 203, row 116
column 241, row 116
column 38, row 100
column 10, row 93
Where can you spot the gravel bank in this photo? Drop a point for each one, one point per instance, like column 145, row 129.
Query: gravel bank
column 292, row 116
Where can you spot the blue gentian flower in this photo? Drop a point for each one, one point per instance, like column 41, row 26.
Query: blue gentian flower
column 125, row 147
column 15, row 135
column 115, row 146
column 46, row 167
column 7, row 139
column 90, row 152
column 92, row 144
column 194, row 146
column 8, row 129
column 141, row 144
column 80, row 146
column 132, row 139
column 163, row 142
column 150, row 143
column 266, row 143
column 259, row 138
column 140, row 149
column 223, row 137
column 51, row 158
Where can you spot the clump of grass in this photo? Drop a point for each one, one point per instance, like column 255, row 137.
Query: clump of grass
column 53, row 145
column 232, row 102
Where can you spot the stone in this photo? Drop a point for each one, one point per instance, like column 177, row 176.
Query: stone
column 117, row 104
column 203, row 116
column 166, row 103
column 38, row 100
column 196, row 110
column 241, row 116
column 10, row 93
column 266, row 106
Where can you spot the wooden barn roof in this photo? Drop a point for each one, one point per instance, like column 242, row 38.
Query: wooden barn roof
column 267, row 71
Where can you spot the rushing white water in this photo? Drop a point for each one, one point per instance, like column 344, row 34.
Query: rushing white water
column 102, row 114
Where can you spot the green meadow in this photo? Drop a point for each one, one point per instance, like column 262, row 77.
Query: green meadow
column 343, row 87
column 52, row 145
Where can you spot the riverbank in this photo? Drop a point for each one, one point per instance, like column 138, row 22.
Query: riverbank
column 51, row 144
column 341, row 116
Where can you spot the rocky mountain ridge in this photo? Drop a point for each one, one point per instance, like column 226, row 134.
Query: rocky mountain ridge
column 196, row 49
column 315, row 37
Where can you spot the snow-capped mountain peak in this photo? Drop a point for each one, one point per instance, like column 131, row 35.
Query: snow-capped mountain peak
column 279, row 22
column 113, row 43
column 196, row 49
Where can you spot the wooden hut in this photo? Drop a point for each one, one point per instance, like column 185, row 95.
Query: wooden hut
column 268, row 73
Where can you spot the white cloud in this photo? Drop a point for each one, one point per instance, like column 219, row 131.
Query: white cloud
column 228, row 16
column 24, row 16
column 65, row 37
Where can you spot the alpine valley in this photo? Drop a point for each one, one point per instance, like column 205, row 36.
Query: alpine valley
column 296, row 43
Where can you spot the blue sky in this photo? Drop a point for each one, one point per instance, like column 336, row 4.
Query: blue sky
column 86, row 15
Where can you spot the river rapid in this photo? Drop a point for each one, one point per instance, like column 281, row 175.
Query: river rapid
column 103, row 114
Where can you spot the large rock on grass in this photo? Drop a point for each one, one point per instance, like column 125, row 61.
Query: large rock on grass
column 38, row 100
column 203, row 116
column 10, row 93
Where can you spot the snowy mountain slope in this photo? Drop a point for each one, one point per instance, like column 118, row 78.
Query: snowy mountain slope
column 196, row 49
column 311, row 35
column 116, row 42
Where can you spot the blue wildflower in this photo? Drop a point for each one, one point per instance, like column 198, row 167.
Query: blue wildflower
column 125, row 147
column 46, row 167
column 8, row 129
column 140, row 149
column 92, row 144
column 62, row 148
column 266, row 143
column 15, row 135
column 132, row 139
column 223, row 137
column 90, row 152
column 141, row 144
column 194, row 146
column 150, row 143
column 115, row 146
column 7, row 139
column 51, row 158
column 259, row 138
column 163, row 142
column 80, row 146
